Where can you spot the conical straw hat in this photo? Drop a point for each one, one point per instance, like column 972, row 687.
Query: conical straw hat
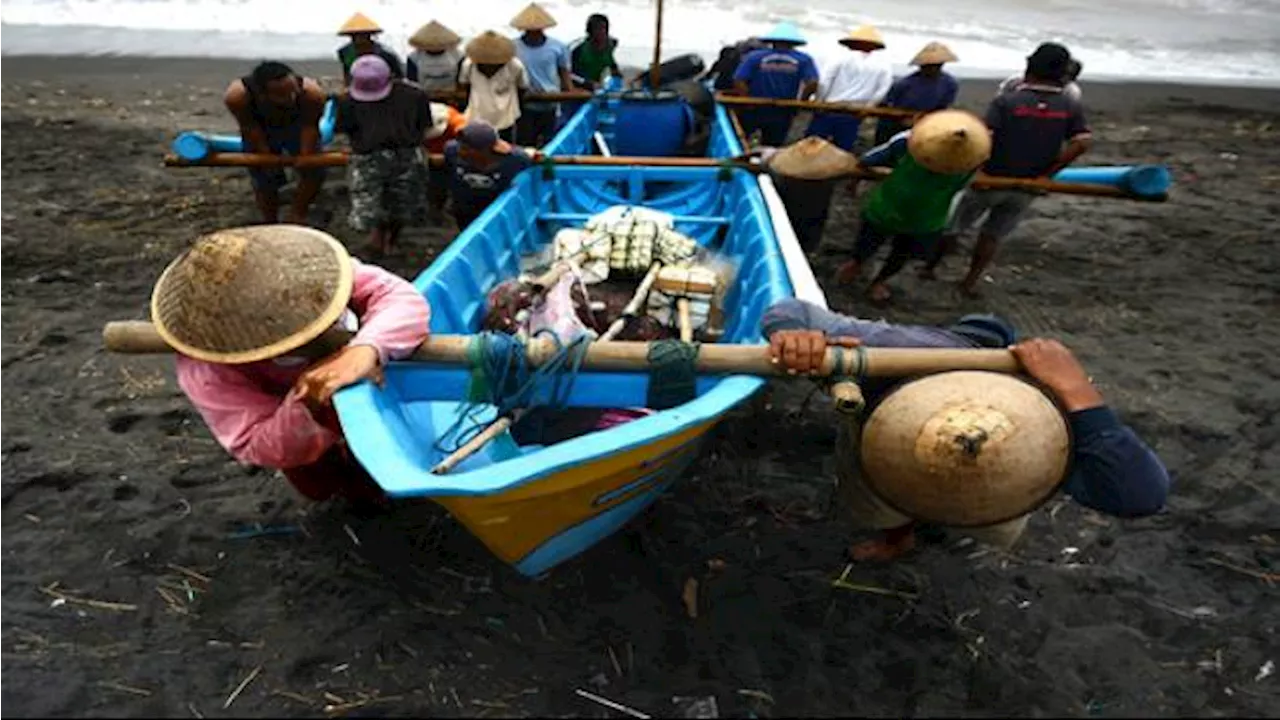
column 812, row 159
column 533, row 17
column 359, row 23
column 784, row 32
column 935, row 53
column 864, row 35
column 252, row 293
column 434, row 37
column 490, row 48
column 950, row 142
column 965, row 449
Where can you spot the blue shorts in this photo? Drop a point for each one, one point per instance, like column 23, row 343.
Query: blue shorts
column 281, row 141
column 839, row 129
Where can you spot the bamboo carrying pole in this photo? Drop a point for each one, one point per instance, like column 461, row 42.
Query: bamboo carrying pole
column 981, row 182
column 137, row 337
column 566, row 96
column 815, row 106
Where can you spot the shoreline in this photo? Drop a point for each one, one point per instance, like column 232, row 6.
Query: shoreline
column 133, row 73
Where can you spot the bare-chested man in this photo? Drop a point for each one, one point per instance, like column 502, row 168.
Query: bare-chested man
column 279, row 112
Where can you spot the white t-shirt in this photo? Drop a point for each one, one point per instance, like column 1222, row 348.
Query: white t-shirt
column 436, row 72
column 496, row 99
column 860, row 78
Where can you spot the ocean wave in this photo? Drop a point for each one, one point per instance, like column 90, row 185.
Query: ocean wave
column 1133, row 39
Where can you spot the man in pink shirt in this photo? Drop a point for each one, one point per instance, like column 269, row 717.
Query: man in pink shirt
column 243, row 308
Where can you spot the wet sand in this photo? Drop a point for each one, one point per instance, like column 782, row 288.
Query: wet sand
column 132, row 588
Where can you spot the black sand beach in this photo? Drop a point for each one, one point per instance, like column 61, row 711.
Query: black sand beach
column 128, row 591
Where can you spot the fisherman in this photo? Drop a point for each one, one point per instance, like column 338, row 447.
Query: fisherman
column 1069, row 85
column 932, row 163
column 387, row 121
column 591, row 60
column 1029, row 129
column 446, row 123
column 779, row 72
column 862, row 77
column 722, row 70
column 1112, row 470
column 925, row 90
column 243, row 307
column 279, row 112
column 481, row 167
column 546, row 64
column 360, row 31
column 435, row 60
column 494, row 80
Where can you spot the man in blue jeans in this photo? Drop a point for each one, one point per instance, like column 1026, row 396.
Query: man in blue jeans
column 278, row 112
column 1113, row 470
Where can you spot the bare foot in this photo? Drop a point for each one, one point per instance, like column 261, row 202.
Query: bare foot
column 969, row 289
column 848, row 273
column 879, row 293
column 882, row 550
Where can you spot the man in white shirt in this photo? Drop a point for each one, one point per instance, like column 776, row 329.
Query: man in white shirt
column 863, row 77
column 435, row 60
column 494, row 80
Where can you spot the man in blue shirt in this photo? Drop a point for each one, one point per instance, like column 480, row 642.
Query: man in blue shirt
column 925, row 90
column 481, row 167
column 1113, row 470
column 546, row 60
column 781, row 72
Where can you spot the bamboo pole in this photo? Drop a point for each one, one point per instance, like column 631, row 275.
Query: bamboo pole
column 140, row 338
column 815, row 106
column 981, row 182
column 655, row 68
column 564, row 96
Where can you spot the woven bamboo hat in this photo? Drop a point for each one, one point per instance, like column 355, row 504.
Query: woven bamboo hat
column 357, row 24
column 533, row 17
column 950, row 142
column 935, row 53
column 965, row 449
column 434, row 37
column 866, row 36
column 490, row 48
column 812, row 159
column 251, row 293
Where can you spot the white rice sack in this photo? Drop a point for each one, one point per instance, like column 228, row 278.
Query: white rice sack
column 595, row 266
column 630, row 212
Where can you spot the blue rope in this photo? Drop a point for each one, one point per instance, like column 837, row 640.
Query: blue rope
column 504, row 379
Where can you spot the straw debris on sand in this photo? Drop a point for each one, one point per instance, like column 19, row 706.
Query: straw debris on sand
column 128, row 591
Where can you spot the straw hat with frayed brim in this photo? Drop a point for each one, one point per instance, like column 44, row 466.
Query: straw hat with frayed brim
column 935, row 53
column 783, row 32
column 812, row 159
column 950, row 142
column 965, row 449
column 490, row 48
column 358, row 24
column 434, row 37
column 252, row 293
column 533, row 17
column 865, row 36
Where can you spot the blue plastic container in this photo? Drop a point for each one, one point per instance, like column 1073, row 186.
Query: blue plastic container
column 194, row 146
column 1141, row 180
column 650, row 124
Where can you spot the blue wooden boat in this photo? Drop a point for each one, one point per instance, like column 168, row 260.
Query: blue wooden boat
column 538, row 506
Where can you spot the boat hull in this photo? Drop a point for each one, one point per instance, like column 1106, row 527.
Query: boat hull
column 535, row 507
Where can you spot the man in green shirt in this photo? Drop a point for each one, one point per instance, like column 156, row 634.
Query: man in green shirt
column 592, row 56
column 932, row 163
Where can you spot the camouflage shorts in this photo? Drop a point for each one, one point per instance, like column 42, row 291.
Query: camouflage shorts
column 388, row 186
